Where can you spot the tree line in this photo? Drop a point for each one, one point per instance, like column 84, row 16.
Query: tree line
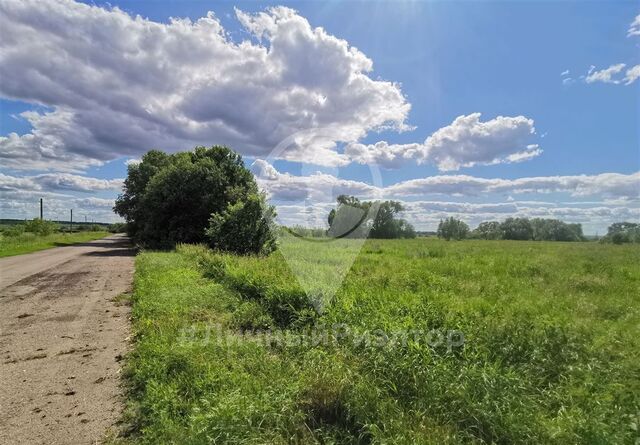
column 535, row 229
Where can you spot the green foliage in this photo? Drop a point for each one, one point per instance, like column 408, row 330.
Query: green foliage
column 488, row 230
column 517, row 229
column 244, row 227
column 453, row 228
column 555, row 230
column 374, row 219
column 13, row 230
column 538, row 229
column 622, row 232
column 170, row 199
column 550, row 353
column 40, row 226
column 91, row 228
column 117, row 228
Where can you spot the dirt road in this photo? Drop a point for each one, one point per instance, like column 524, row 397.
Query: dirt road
column 61, row 341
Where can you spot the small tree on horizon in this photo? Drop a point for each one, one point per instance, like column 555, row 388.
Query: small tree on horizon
column 452, row 228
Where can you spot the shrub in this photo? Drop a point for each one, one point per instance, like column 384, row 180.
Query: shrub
column 40, row 226
column 244, row 227
column 14, row 231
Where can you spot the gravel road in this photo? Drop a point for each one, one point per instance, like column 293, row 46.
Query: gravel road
column 62, row 338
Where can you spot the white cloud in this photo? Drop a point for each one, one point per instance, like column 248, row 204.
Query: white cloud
column 634, row 28
column 609, row 185
column 117, row 86
column 58, row 182
column 564, row 73
column 464, row 143
column 632, row 75
column 322, row 187
column 606, row 75
column 613, row 74
column 317, row 187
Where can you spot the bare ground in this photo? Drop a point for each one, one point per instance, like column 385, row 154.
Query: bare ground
column 62, row 337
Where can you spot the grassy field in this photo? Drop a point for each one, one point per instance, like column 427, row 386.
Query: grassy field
column 231, row 349
column 29, row 242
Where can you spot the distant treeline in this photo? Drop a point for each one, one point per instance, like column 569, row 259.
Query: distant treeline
column 43, row 227
column 535, row 229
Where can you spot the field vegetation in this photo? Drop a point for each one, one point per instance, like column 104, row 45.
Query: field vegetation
column 235, row 349
column 37, row 234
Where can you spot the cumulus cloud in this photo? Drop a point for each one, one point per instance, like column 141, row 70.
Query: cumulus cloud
column 58, row 182
column 634, row 28
column 20, row 196
column 466, row 142
column 610, row 185
column 632, row 75
column 607, row 75
column 319, row 186
column 116, row 86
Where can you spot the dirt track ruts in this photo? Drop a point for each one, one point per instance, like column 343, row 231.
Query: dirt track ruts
column 62, row 338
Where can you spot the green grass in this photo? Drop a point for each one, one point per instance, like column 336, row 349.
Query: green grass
column 29, row 242
column 551, row 352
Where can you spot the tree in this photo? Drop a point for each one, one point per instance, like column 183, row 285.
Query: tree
column 453, row 228
column 516, row 229
column 378, row 219
column 386, row 225
column 350, row 219
column 623, row 232
column 555, row 230
column 128, row 205
column 170, row 199
column 488, row 230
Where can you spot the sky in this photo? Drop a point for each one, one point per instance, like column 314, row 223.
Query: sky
column 480, row 110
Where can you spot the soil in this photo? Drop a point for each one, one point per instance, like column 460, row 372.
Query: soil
column 63, row 333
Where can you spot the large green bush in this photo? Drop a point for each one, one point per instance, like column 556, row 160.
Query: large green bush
column 243, row 227
column 171, row 199
column 40, row 226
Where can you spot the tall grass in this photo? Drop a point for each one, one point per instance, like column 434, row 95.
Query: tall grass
column 550, row 353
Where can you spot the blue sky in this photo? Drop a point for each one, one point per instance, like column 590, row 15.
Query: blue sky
column 447, row 59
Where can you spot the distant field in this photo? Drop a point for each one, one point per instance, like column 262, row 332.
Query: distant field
column 30, row 242
column 551, row 350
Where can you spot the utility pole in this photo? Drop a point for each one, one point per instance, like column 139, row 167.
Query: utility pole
column 41, row 218
column 71, row 221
